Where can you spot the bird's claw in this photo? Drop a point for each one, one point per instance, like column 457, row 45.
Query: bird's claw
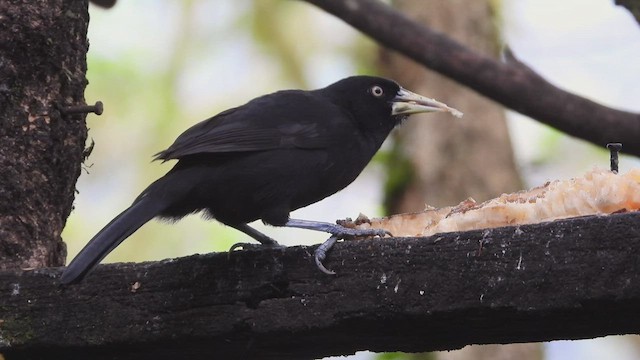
column 253, row 246
column 243, row 245
column 321, row 252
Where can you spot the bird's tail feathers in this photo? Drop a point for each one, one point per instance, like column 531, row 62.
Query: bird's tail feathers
column 143, row 209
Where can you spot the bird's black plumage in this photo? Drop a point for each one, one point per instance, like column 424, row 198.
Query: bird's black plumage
column 264, row 159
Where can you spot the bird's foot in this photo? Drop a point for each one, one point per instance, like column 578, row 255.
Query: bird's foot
column 265, row 241
column 341, row 232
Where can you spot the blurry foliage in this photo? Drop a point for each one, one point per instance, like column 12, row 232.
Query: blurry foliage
column 405, row 356
column 271, row 26
column 399, row 174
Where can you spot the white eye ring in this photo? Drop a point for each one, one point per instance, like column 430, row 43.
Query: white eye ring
column 376, row 91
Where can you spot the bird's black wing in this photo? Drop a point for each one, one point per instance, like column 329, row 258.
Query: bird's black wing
column 285, row 119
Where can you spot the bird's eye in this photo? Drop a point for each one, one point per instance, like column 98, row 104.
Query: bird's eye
column 376, row 91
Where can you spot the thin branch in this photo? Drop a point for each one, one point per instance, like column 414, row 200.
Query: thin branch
column 633, row 6
column 571, row 279
column 512, row 84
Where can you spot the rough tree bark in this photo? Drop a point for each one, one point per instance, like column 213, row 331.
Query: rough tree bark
column 568, row 279
column 42, row 63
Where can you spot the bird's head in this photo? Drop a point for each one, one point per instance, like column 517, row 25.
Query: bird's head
column 381, row 103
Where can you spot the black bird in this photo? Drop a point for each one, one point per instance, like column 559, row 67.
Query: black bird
column 264, row 159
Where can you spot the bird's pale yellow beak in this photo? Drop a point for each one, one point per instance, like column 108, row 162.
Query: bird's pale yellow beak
column 407, row 103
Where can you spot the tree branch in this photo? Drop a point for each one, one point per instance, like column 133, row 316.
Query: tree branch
column 570, row 279
column 512, row 84
column 633, row 6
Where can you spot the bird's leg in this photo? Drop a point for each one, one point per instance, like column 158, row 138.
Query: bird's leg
column 264, row 240
column 336, row 231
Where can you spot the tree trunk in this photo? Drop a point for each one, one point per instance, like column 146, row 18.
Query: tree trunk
column 42, row 65
column 448, row 160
